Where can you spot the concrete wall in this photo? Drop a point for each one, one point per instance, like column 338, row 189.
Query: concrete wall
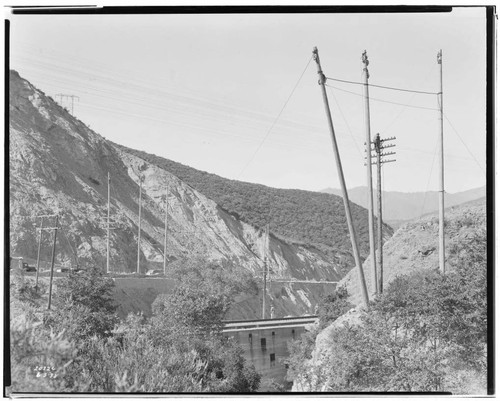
column 262, row 345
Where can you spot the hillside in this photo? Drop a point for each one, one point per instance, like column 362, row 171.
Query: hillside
column 302, row 217
column 456, row 302
column 58, row 164
column 415, row 245
column 403, row 206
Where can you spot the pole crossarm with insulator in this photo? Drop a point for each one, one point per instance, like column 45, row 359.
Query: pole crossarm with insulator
column 371, row 229
column 378, row 146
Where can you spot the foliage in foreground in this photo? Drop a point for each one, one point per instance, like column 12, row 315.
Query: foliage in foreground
column 426, row 333
column 80, row 346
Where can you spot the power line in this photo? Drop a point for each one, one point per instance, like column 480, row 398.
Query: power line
column 408, row 102
column 459, row 137
column 275, row 120
column 429, row 179
column 384, row 87
column 346, row 123
column 384, row 101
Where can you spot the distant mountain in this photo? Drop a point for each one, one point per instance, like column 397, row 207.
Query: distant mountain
column 402, row 206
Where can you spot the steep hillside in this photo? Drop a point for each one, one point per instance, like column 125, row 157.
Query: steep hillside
column 57, row 164
column 415, row 245
column 412, row 255
column 302, row 217
column 402, row 206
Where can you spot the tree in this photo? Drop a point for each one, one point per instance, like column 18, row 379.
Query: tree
column 191, row 320
column 83, row 304
column 333, row 306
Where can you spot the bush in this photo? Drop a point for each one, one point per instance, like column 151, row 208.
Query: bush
column 427, row 332
column 333, row 306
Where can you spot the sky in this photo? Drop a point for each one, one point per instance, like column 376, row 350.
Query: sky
column 237, row 94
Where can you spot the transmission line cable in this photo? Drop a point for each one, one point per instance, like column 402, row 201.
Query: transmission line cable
column 429, row 179
column 459, row 137
column 346, row 123
column 408, row 102
column 385, row 101
column 275, row 120
column 384, row 87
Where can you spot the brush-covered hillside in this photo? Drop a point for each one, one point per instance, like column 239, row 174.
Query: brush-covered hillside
column 297, row 216
column 57, row 164
column 426, row 332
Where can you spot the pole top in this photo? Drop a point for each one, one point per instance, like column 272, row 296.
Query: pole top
column 364, row 59
column 315, row 53
column 439, row 56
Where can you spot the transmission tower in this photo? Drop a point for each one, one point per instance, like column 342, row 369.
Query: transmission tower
column 72, row 97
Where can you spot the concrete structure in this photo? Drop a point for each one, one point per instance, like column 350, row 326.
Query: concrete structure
column 265, row 343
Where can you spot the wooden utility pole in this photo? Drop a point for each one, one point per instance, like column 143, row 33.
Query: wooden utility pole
column 441, row 167
column 38, row 254
column 53, row 260
column 264, row 291
column 107, row 228
column 379, row 146
column 371, row 232
column 165, row 240
column 352, row 233
column 139, row 234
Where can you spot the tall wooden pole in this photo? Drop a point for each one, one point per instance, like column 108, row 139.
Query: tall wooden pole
column 352, row 233
column 165, row 239
column 139, row 233
column 52, row 263
column 441, row 167
column 107, row 235
column 379, row 220
column 38, row 255
column 371, row 229
column 264, row 290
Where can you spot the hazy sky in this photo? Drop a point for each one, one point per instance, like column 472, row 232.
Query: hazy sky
column 205, row 90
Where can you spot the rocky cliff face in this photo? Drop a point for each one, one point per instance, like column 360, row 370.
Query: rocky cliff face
column 58, row 164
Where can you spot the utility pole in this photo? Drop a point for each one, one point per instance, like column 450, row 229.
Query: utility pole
column 53, row 259
column 441, row 167
column 371, row 232
column 38, row 255
column 141, row 177
column 72, row 97
column 107, row 228
column 266, row 248
column 352, row 233
column 379, row 146
column 165, row 240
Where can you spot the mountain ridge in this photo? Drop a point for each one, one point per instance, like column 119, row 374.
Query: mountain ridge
column 404, row 206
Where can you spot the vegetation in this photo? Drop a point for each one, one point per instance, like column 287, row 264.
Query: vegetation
column 304, row 217
column 426, row 333
column 80, row 346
